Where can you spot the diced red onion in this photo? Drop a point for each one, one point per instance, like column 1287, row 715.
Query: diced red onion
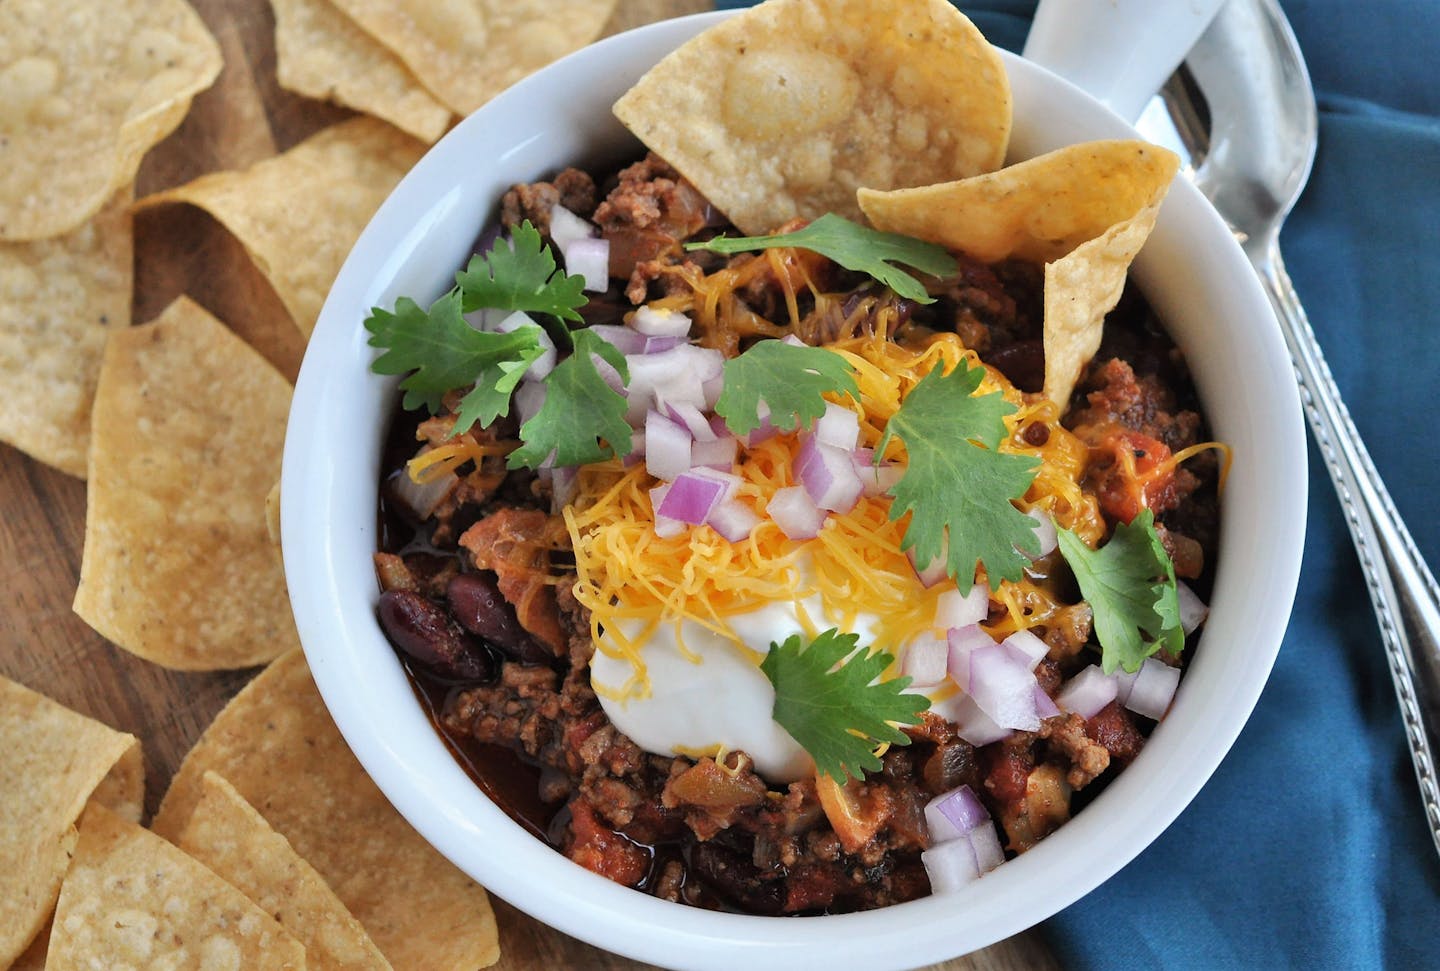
column 566, row 227
column 423, row 498
column 529, row 397
column 1087, row 692
column 692, row 497
column 543, row 364
column 718, row 454
column 1045, row 531
column 623, row 339
column 793, row 340
column 608, row 374
column 667, row 447
column 1026, row 648
column 664, row 526
column 1044, row 704
column 926, row 660
column 985, row 841
column 590, row 259
column 953, row 814
column 963, row 641
column 875, row 480
column 656, row 345
column 934, row 571
column 564, row 484
column 828, row 475
column 950, row 866
column 795, row 513
column 973, row 725
column 1154, row 689
column 660, row 323
column 1004, row 688
column 733, row 520
column 1192, row 609
column 485, row 318
column 691, row 418
column 1124, row 681
column 711, row 388
column 838, row 427
column 954, row 609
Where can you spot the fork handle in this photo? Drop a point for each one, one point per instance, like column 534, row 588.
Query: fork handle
column 1402, row 588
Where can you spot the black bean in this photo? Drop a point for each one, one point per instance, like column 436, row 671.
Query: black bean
column 420, row 628
column 477, row 604
column 737, row 879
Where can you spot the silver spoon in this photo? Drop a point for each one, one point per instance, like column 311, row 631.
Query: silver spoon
column 1252, row 165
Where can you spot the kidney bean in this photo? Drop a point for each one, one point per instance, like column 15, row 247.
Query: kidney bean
column 420, row 628
column 477, row 604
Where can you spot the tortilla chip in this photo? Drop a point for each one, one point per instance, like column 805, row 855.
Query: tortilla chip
column 468, row 51
column 1080, row 289
column 321, row 53
column 272, row 515
column 88, row 89
column 188, row 429
column 58, row 299
column 226, row 834
column 276, row 744
column 787, row 109
column 1037, row 210
column 299, row 213
column 51, row 762
column 34, row 957
column 629, row 14
column 131, row 900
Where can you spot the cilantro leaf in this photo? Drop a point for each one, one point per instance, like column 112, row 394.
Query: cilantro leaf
column 521, row 276
column 441, row 352
column 1130, row 585
column 835, row 713
column 854, row 247
column 958, row 485
column 789, row 378
column 580, row 410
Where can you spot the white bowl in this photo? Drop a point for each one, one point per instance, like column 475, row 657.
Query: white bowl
column 1193, row 274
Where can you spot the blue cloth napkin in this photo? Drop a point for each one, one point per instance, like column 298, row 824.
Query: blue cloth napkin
column 1308, row 847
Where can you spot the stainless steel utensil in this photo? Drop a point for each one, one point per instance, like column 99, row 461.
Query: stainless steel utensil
column 1252, row 160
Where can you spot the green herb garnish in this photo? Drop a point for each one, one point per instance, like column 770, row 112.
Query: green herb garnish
column 1130, row 585
column 958, row 486
column 790, row 378
column 854, row 247
column 441, row 352
column 521, row 276
column 582, row 419
column 829, row 706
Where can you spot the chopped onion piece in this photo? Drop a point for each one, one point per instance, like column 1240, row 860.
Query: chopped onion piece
column 1045, row 530
column 590, row 260
column 985, row 841
column 1154, row 689
column 950, row 866
column 655, row 345
column 667, row 447
column 934, row 571
column 623, row 339
column 733, row 520
column 795, row 513
column 963, row 641
column 953, row 814
column 664, row 525
column 711, row 388
column 925, row 662
column 1026, row 648
column 543, row 364
column 875, row 480
column 485, row 318
column 718, row 454
column 1088, row 692
column 838, row 427
column 692, row 497
column 566, row 227
column 660, row 323
column 690, row 417
column 954, row 609
column 564, row 484
column 828, row 475
column 1044, row 704
column 1004, row 688
column 973, row 725
column 423, row 498
column 1124, row 681
column 1192, row 609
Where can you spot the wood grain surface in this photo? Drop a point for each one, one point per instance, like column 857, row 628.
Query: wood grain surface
column 244, row 117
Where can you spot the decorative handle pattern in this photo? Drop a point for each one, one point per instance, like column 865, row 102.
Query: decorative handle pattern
column 1402, row 588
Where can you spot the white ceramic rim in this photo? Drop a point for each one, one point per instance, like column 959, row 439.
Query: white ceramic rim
column 332, row 583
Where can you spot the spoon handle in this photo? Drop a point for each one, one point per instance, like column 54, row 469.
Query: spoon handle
column 1402, row 588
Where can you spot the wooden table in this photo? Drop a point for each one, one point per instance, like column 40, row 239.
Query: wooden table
column 244, row 117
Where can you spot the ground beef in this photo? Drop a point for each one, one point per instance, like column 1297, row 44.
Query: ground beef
column 572, row 188
column 645, row 218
